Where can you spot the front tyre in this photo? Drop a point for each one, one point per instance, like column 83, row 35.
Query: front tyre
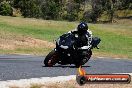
column 50, row 59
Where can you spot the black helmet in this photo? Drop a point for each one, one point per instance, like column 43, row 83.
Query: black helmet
column 82, row 27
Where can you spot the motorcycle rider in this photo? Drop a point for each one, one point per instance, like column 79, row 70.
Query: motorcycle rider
column 75, row 45
column 83, row 40
column 83, row 36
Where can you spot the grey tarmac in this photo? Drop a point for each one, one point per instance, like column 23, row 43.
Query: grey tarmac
column 14, row 67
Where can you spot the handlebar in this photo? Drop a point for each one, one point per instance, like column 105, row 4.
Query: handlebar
column 97, row 47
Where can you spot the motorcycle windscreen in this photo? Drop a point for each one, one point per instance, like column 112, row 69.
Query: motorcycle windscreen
column 66, row 40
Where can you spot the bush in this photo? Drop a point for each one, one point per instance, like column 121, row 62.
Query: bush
column 71, row 17
column 5, row 9
column 87, row 16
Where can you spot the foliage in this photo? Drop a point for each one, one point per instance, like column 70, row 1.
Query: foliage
column 5, row 9
column 29, row 8
column 50, row 9
column 71, row 10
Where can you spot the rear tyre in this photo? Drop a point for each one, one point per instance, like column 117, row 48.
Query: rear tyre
column 50, row 59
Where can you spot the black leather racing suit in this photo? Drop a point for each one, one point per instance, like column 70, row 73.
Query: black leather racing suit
column 83, row 41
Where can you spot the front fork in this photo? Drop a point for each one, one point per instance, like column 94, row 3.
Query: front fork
column 89, row 54
column 86, row 57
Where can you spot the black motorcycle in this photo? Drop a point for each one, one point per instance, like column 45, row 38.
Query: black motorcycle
column 66, row 52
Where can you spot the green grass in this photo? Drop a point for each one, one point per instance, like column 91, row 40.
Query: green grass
column 116, row 38
column 37, row 32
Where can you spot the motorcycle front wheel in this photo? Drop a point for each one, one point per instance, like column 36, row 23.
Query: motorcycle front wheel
column 50, row 59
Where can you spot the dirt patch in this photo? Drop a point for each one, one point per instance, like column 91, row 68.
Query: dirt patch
column 73, row 84
column 12, row 42
column 32, row 42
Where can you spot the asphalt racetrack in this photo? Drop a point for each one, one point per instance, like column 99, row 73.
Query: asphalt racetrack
column 14, row 67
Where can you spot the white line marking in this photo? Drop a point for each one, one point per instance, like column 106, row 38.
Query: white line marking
column 101, row 57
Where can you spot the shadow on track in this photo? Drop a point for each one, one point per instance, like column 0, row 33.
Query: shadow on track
column 65, row 66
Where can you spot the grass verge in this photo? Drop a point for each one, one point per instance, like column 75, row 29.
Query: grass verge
column 116, row 38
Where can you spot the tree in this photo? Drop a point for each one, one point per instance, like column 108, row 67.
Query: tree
column 97, row 9
column 74, row 10
column 5, row 9
column 50, row 9
column 100, row 6
column 71, row 11
column 124, row 4
column 29, row 8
